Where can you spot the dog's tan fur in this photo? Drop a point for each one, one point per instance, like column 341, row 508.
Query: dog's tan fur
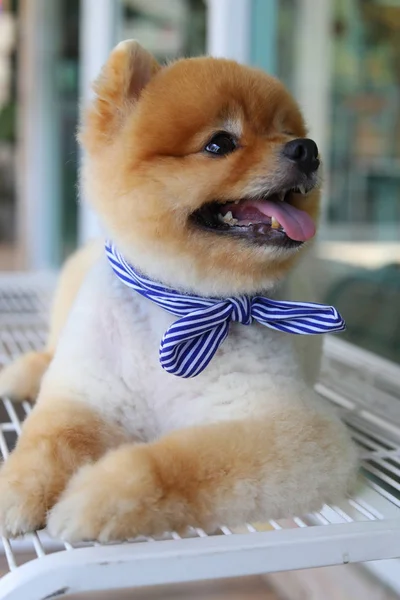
column 58, row 438
column 145, row 174
column 189, row 477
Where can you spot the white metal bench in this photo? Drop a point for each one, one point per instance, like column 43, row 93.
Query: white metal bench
column 364, row 527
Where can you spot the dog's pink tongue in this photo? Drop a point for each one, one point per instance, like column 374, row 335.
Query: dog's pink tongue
column 297, row 224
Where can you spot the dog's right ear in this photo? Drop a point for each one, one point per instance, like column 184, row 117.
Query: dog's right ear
column 120, row 83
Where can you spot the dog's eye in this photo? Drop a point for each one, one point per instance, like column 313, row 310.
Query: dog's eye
column 221, row 144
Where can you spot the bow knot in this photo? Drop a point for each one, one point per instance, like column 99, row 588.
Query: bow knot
column 190, row 343
column 241, row 310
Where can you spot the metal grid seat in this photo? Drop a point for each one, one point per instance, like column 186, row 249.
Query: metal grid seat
column 363, row 527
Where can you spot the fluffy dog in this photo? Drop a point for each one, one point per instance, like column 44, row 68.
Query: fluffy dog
column 205, row 181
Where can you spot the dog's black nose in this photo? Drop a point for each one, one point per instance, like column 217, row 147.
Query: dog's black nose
column 304, row 152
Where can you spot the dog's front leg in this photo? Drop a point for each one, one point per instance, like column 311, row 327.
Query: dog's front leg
column 226, row 473
column 60, row 435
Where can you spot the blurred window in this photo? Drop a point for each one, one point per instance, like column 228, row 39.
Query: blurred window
column 359, row 252
column 169, row 29
column 67, row 81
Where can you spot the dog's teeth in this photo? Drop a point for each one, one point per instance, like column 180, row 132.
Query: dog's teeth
column 281, row 196
column 302, row 189
column 228, row 218
column 275, row 224
column 237, row 201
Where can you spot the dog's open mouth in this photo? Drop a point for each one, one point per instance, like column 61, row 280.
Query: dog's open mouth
column 270, row 219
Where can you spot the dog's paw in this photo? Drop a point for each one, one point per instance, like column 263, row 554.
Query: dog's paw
column 114, row 499
column 30, row 482
column 22, row 502
column 21, row 379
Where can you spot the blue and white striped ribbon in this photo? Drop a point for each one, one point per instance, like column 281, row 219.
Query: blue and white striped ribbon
column 191, row 342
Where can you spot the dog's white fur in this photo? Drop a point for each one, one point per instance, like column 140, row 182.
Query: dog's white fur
column 108, row 358
column 255, row 376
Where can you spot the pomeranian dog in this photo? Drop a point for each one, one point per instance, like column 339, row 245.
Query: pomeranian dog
column 207, row 186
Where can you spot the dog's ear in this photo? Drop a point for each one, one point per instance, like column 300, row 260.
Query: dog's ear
column 120, row 83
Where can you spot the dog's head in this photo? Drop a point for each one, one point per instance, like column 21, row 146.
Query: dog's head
column 200, row 170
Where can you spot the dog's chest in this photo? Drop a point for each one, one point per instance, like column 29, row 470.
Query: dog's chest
column 115, row 334
column 250, row 364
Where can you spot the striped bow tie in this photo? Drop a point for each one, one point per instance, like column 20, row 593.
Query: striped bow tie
column 191, row 342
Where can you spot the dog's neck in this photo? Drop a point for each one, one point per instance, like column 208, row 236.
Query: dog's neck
column 203, row 324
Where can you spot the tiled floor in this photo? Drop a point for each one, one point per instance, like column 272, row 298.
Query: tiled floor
column 342, row 582
column 253, row 588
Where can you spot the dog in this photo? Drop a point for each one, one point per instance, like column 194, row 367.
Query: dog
column 208, row 187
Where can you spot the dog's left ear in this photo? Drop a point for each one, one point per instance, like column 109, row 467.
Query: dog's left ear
column 119, row 85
